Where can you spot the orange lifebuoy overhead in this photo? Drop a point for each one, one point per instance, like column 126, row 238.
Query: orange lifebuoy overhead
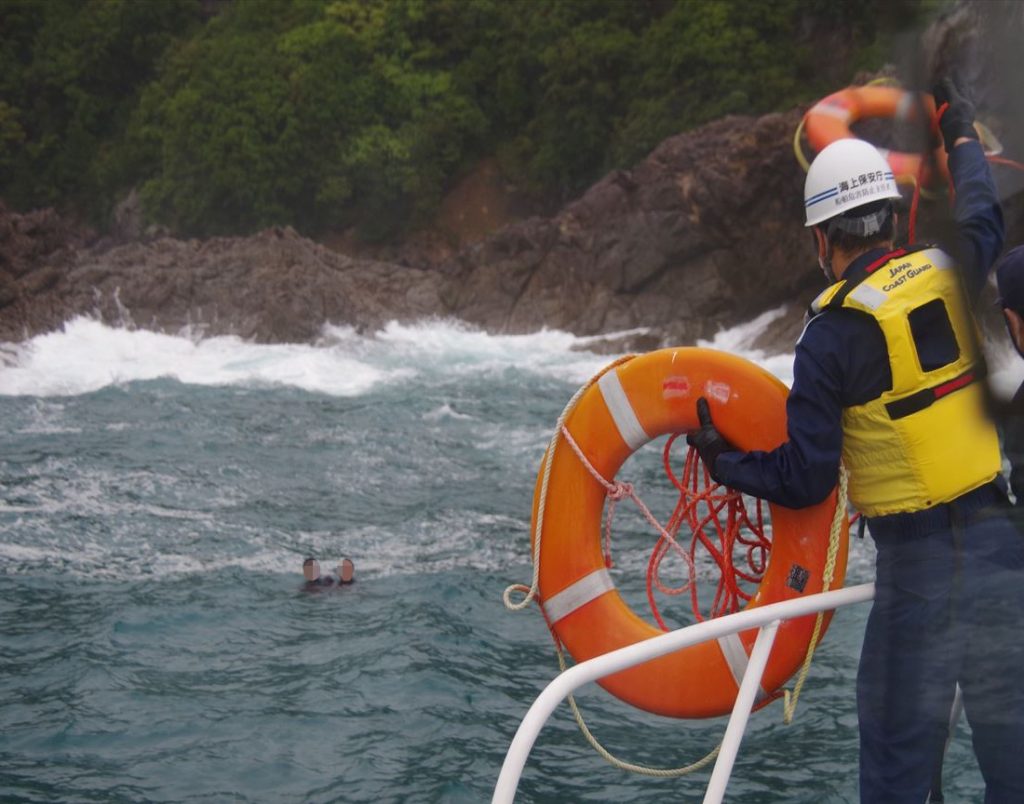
column 648, row 396
column 830, row 119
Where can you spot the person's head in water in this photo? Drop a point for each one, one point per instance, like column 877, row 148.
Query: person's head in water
column 311, row 569
column 346, row 571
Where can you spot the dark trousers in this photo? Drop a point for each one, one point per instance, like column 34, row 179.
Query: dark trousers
column 949, row 608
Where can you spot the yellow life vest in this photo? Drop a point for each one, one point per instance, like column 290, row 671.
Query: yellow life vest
column 926, row 440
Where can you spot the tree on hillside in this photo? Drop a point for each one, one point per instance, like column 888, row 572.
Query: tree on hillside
column 70, row 71
column 342, row 114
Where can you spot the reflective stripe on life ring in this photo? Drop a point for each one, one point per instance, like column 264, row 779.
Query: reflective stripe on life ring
column 641, row 399
column 830, row 120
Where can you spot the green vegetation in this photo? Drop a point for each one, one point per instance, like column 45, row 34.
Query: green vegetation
column 70, row 72
column 331, row 114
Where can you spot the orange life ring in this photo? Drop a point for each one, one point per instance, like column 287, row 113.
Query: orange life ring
column 830, row 119
column 643, row 398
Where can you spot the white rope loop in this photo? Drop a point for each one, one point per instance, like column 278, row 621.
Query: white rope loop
column 632, row 767
column 530, row 592
column 617, row 491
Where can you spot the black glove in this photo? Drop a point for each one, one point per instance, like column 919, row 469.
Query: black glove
column 709, row 442
column 958, row 119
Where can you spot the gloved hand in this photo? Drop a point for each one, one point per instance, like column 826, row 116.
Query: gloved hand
column 958, row 118
column 709, row 442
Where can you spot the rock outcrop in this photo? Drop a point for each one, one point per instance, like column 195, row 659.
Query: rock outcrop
column 275, row 286
column 702, row 234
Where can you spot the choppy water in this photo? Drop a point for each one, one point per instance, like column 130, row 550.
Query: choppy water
column 157, row 497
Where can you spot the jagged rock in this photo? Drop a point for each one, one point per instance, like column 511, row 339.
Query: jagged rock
column 275, row 286
column 697, row 236
column 704, row 233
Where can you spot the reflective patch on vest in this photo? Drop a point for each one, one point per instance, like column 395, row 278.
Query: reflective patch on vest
column 940, row 259
column 632, row 432
column 589, row 587
column 868, row 296
column 735, row 656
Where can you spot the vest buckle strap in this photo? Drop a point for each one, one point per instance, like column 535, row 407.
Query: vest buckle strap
column 927, row 396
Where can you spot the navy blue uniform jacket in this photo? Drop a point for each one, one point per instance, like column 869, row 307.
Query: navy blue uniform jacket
column 841, row 359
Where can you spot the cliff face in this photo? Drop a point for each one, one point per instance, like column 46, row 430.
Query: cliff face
column 703, row 233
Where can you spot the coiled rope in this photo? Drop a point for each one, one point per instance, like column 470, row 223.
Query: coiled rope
column 719, row 544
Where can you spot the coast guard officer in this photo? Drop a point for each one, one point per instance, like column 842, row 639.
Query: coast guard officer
column 885, row 378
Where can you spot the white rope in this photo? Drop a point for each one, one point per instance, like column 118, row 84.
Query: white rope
column 790, row 699
column 632, row 767
column 530, row 592
column 828, row 575
column 616, row 491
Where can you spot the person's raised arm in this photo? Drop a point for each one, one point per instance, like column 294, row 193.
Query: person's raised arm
column 976, row 211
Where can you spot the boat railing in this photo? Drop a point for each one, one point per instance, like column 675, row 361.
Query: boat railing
column 766, row 618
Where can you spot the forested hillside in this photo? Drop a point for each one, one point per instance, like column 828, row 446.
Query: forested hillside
column 329, row 115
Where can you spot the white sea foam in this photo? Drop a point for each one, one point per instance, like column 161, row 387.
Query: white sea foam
column 100, row 559
column 456, row 348
column 445, row 411
column 466, row 541
column 85, row 356
column 739, row 340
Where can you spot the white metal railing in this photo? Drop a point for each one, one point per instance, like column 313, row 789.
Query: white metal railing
column 766, row 618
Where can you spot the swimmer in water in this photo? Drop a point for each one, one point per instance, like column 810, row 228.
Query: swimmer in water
column 311, row 572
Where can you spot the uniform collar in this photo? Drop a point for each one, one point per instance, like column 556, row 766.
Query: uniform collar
column 866, row 263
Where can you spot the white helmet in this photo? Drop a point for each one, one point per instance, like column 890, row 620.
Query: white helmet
column 847, row 174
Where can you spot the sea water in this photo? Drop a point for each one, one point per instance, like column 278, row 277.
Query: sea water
column 159, row 493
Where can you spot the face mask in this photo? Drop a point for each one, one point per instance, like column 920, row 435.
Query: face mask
column 826, row 268
column 824, row 261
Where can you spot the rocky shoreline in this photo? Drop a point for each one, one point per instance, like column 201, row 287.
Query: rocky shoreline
column 703, row 234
